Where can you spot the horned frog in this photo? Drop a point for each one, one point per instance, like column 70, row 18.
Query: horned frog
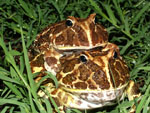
column 63, row 37
column 91, row 79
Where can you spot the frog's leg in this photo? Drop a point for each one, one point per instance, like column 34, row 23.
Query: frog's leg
column 132, row 93
column 51, row 89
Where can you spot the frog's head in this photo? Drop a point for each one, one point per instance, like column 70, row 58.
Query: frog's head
column 100, row 68
column 73, row 33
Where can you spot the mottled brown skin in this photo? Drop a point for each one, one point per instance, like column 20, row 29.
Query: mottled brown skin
column 90, row 71
column 82, row 33
column 94, row 70
column 62, row 37
column 88, row 79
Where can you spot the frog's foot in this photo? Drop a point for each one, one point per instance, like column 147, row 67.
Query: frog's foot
column 133, row 92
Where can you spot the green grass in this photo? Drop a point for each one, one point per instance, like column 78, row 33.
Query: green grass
column 128, row 25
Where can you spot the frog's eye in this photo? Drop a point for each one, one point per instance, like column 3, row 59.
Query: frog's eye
column 115, row 55
column 83, row 58
column 69, row 22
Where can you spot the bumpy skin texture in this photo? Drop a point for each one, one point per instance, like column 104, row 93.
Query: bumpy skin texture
column 82, row 33
column 98, row 68
column 90, row 79
column 57, row 39
column 90, row 71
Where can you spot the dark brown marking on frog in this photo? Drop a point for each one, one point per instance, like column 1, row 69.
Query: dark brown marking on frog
column 59, row 27
column 57, row 101
column 102, row 33
column 77, row 28
column 92, row 66
column 116, row 66
column 80, row 85
column 42, row 41
column 121, row 68
column 94, row 35
column 41, row 46
column 114, row 75
column 59, row 76
column 76, row 37
column 135, row 89
column 54, row 92
column 39, row 62
column 69, row 65
column 32, row 53
column 98, row 34
column 80, row 37
column 68, row 79
column 47, row 81
column 49, row 36
column 51, row 60
column 84, row 72
column 91, row 84
column 83, row 38
column 70, row 37
column 101, row 79
column 60, row 39
column 96, row 52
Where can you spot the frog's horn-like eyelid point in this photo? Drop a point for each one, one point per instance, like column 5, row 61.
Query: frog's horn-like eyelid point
column 71, row 18
column 92, row 17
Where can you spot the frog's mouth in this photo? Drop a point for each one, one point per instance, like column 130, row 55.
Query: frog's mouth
column 73, row 48
column 68, row 47
column 73, row 90
column 97, row 98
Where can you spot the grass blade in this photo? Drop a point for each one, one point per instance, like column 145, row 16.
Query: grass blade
column 14, row 89
column 143, row 100
column 117, row 7
column 127, row 29
column 28, row 10
column 140, row 13
column 145, row 110
column 5, row 109
column 111, row 14
column 5, row 78
column 93, row 3
column 48, row 106
column 11, row 101
column 11, row 60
